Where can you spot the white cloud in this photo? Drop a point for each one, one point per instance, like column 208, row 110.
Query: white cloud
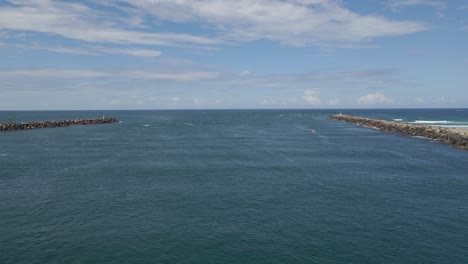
column 188, row 71
column 311, row 96
column 278, row 103
column 77, row 21
column 294, row 22
column 128, row 51
column 420, row 100
column 195, row 85
column 140, row 74
column 63, row 50
column 95, row 50
column 114, row 102
column 245, row 73
column 440, row 4
column 374, row 99
column 51, row 73
column 443, row 100
column 339, row 80
column 334, row 101
column 184, row 76
column 58, row 49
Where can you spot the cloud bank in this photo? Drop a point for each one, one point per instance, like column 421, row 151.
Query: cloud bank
column 294, row 22
column 86, row 74
column 374, row 99
column 311, row 96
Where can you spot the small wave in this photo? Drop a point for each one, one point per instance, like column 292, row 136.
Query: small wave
column 420, row 137
column 431, row 121
column 398, row 119
column 146, row 125
column 3, row 154
column 455, row 126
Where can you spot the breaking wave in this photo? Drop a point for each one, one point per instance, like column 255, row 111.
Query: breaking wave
column 431, row 122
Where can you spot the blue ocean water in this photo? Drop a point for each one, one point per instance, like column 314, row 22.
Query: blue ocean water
column 231, row 186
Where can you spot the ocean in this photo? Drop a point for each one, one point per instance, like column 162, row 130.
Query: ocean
column 232, row 186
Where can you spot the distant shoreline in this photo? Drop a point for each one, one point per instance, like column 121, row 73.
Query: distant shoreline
column 457, row 137
column 56, row 123
column 230, row 109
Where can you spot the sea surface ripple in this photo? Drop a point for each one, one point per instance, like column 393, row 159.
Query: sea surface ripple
column 240, row 186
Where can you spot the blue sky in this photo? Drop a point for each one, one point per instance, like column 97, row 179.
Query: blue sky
column 203, row 54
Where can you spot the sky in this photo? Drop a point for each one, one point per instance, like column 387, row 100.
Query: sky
column 223, row 54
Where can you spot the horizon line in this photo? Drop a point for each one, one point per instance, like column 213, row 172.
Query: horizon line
column 209, row 109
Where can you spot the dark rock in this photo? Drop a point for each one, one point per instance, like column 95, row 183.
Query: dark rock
column 456, row 137
column 59, row 123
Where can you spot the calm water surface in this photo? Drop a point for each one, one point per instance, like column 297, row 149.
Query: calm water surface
column 273, row 186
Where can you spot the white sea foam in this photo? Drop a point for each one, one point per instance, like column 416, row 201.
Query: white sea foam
column 146, row 125
column 431, row 122
column 420, row 137
column 398, row 119
column 455, row 126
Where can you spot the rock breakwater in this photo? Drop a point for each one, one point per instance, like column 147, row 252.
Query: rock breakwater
column 455, row 137
column 57, row 123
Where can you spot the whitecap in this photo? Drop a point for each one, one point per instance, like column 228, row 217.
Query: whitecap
column 398, row 119
column 431, row 121
column 420, row 137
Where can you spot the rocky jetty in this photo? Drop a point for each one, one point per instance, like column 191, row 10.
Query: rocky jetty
column 456, row 137
column 59, row 123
